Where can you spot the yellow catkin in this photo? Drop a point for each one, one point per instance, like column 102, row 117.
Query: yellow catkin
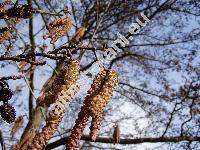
column 98, row 97
column 67, row 76
column 101, row 99
column 69, row 88
column 97, row 102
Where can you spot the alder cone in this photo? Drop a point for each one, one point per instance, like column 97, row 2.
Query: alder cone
column 24, row 11
column 7, row 113
column 5, row 95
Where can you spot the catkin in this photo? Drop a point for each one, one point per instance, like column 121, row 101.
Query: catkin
column 68, row 89
column 98, row 97
column 78, row 36
column 67, row 76
column 97, row 102
column 58, row 28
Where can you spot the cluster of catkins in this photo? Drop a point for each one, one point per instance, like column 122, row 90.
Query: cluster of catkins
column 6, row 110
column 58, row 28
column 98, row 97
column 59, row 94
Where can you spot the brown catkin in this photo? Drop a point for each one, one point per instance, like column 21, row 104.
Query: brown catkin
column 7, row 113
column 77, row 130
column 24, row 142
column 5, row 34
column 2, row 6
column 67, row 76
column 42, row 138
column 95, row 126
column 98, row 97
column 78, row 36
column 58, row 28
column 97, row 102
column 67, row 91
column 7, row 2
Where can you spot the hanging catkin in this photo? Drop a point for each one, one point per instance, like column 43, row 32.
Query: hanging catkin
column 78, row 36
column 66, row 77
column 98, row 97
column 76, row 40
column 68, row 88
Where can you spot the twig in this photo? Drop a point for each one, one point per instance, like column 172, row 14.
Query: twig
column 14, row 77
column 47, row 13
column 2, row 141
column 26, row 80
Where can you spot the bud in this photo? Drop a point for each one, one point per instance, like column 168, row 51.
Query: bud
column 116, row 135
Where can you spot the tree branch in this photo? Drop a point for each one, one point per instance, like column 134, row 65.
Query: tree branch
column 62, row 141
column 31, row 79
